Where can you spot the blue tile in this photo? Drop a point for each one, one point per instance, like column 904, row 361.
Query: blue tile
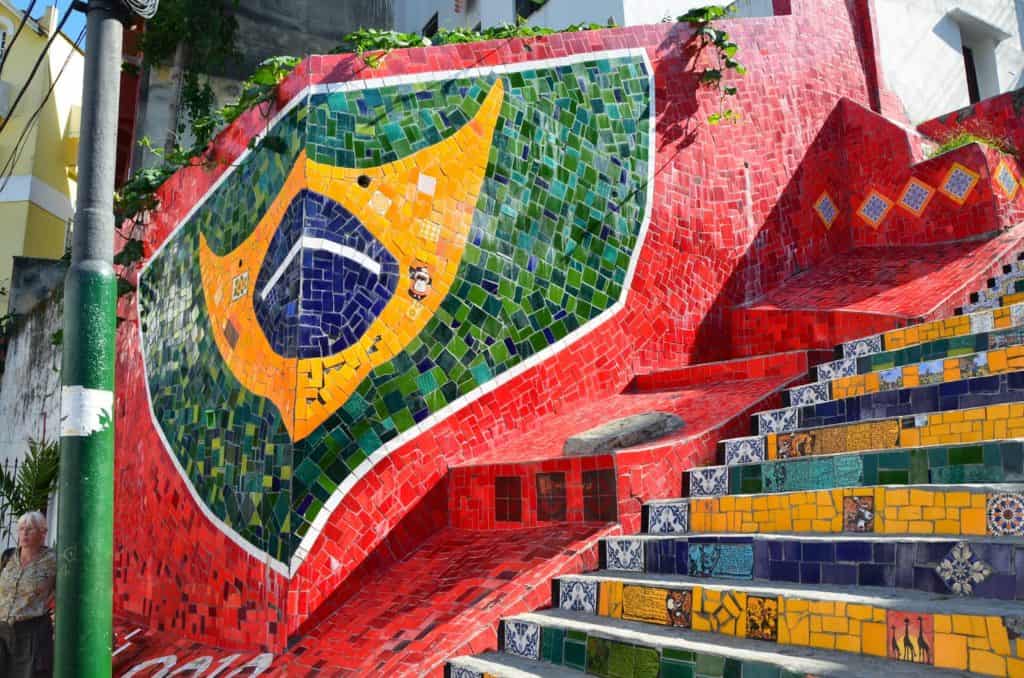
column 871, row 574
column 925, row 579
column 853, row 551
column 841, row 575
column 810, row 573
column 817, row 551
column 783, row 571
column 761, row 560
column 884, row 552
column 952, row 388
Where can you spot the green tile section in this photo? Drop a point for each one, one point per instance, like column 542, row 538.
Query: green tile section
column 555, row 227
column 599, row 656
column 993, row 462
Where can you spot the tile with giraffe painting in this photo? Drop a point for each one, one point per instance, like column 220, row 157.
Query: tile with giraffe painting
column 911, row 636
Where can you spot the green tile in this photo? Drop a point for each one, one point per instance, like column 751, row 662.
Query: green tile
column 733, row 668
column 710, row 665
column 893, row 477
column 551, row 646
column 575, row 653
column 599, row 659
column 760, row 670
column 673, row 669
column 918, row 467
column 967, row 455
column 646, row 663
column 679, row 655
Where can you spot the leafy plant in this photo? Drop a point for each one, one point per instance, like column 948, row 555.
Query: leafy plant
column 137, row 196
column 373, row 45
column 35, row 481
column 961, row 137
column 724, row 56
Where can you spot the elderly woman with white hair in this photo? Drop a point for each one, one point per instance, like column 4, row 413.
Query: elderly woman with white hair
column 28, row 578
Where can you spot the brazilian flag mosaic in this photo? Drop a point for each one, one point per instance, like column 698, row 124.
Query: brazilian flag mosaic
column 399, row 247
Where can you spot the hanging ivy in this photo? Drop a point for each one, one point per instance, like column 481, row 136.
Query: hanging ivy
column 723, row 57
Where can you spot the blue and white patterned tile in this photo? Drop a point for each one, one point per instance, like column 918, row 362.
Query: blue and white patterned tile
column 785, row 420
column 522, row 638
column 465, row 672
column 810, row 394
column 1017, row 314
column 624, row 554
column 579, row 595
column 744, row 450
column 711, row 481
column 836, row 369
column 862, row 347
column 981, row 322
column 668, row 518
column 959, row 182
column 961, row 570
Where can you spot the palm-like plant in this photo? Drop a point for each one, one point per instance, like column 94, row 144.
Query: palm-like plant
column 36, row 479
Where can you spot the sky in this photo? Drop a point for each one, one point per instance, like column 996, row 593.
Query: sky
column 74, row 24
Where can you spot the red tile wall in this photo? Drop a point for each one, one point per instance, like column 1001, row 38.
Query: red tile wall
column 731, row 220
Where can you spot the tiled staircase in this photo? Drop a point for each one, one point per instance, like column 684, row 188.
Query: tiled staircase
column 871, row 525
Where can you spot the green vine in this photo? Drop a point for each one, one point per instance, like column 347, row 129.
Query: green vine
column 961, row 137
column 724, row 57
column 373, row 45
column 137, row 197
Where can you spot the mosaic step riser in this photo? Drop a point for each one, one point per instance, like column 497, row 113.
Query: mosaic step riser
column 938, row 349
column 1011, row 280
column 954, row 326
column 987, row 644
column 968, row 568
column 968, row 510
column 898, row 401
column 954, row 427
column 994, row 462
column 937, row 362
column 597, row 654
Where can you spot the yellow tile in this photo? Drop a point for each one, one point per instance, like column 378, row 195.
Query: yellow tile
column 997, row 635
column 816, row 624
column 823, row 641
column 892, row 526
column 909, row 512
column 943, row 623
column 986, row 663
column 822, row 607
column 910, row 437
column 835, row 624
column 921, row 527
column 796, row 605
column 874, row 639
column 862, row 612
column 950, row 650
column 979, row 627
column 934, row 513
column 962, row 624
column 976, row 643
column 972, row 521
column 848, row 643
column 800, row 632
column 822, row 526
column 947, row 527
column 897, row 497
column 997, row 361
column 1014, row 668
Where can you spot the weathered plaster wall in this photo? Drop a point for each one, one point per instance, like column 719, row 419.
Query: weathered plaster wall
column 30, row 385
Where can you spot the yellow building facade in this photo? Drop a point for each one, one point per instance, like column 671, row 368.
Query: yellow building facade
column 37, row 191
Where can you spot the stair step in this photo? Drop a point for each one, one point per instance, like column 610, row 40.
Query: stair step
column 975, row 509
column 945, row 328
column 851, row 619
column 1001, row 285
column 954, row 427
column 583, row 641
column 973, row 386
column 914, row 563
column 504, row 665
column 976, row 352
column 991, row 462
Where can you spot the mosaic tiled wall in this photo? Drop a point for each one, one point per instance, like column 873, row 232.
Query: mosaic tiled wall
column 805, row 619
column 410, row 244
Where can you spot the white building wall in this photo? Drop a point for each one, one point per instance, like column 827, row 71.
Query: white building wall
column 412, row 15
column 921, row 43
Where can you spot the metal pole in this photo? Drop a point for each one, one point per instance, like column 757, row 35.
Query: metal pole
column 85, row 522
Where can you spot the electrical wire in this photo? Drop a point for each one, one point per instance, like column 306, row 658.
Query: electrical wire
column 12, row 160
column 24, row 20
column 35, row 67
